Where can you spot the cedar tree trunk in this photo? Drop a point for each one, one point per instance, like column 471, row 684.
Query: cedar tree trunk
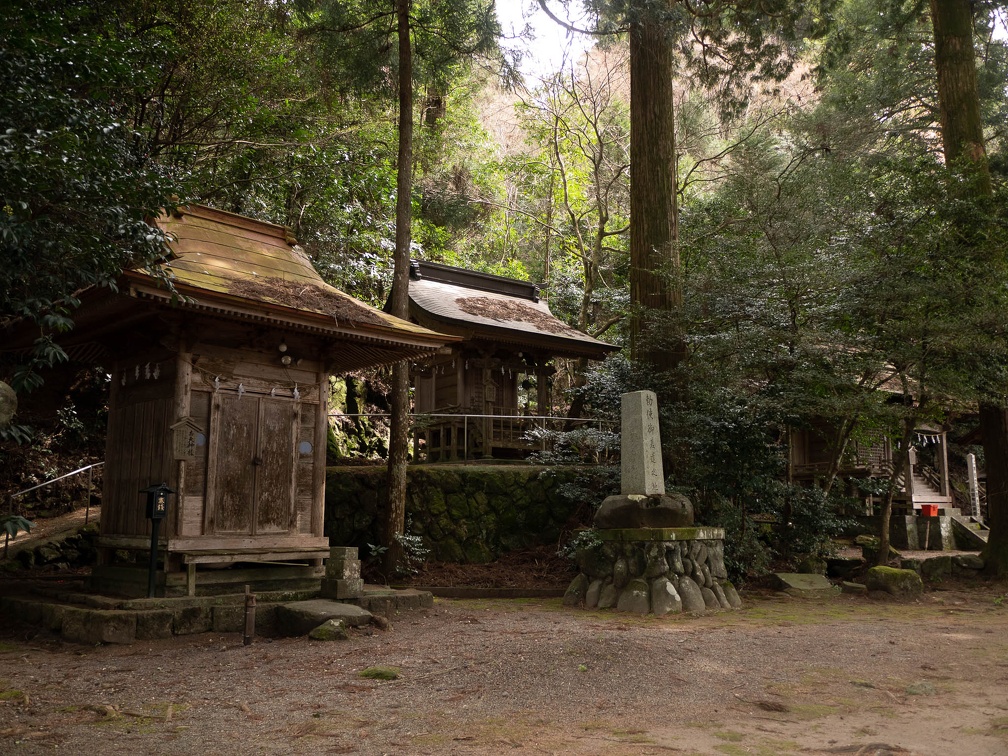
column 654, row 253
column 963, row 142
column 395, row 515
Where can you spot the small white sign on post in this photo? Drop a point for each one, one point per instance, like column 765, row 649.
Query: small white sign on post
column 641, row 453
column 974, row 484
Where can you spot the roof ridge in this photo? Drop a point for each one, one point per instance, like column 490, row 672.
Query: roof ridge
column 473, row 279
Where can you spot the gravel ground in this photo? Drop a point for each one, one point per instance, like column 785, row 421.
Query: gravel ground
column 848, row 675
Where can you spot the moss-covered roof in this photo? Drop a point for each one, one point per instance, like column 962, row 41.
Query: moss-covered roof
column 251, row 270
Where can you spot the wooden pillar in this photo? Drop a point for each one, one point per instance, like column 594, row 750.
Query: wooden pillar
column 183, row 397
column 943, row 471
column 319, row 466
column 111, row 504
column 542, row 392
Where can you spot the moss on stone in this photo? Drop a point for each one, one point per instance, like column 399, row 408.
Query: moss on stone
column 894, row 581
column 465, row 512
column 380, row 673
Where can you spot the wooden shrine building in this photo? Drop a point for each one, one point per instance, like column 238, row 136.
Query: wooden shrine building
column 219, row 390
column 509, row 338
column 926, row 484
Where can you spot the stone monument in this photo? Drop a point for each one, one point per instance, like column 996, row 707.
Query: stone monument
column 649, row 557
column 642, row 501
column 342, row 575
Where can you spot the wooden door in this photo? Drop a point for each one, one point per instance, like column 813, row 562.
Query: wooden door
column 279, row 422
column 251, row 476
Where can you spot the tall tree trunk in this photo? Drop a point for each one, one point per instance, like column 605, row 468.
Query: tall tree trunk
column 395, row 515
column 994, row 430
column 963, row 142
column 654, row 253
column 901, row 466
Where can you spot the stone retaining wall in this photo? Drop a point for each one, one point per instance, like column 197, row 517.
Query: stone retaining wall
column 654, row 570
column 465, row 513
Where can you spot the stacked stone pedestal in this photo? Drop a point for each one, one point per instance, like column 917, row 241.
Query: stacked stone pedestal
column 654, row 571
column 343, row 574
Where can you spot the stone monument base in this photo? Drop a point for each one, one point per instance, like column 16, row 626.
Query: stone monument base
column 639, row 511
column 654, row 571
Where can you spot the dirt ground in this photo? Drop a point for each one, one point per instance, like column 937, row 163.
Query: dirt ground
column 781, row 676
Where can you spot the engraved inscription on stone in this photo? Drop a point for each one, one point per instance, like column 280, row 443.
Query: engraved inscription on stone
column 641, row 465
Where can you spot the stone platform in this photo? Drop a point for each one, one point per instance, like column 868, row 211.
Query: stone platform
column 654, row 571
column 82, row 617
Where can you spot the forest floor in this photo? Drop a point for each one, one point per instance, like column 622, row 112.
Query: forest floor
column 848, row 675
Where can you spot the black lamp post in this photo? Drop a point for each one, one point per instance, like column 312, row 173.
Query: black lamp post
column 157, row 510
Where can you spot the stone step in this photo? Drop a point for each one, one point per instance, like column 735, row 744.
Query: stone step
column 89, row 618
column 388, row 601
column 803, row 585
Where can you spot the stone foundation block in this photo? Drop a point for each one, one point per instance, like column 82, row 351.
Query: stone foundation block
column 191, row 620
column 341, row 588
column 229, row 618
column 96, row 626
column 343, row 563
column 152, row 624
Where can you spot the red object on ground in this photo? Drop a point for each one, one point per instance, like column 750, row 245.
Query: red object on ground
column 929, row 510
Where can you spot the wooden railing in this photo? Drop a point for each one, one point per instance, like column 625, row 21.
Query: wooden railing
column 89, row 469
column 466, row 437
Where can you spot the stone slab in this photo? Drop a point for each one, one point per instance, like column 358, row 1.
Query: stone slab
column 191, row 620
column 300, row 617
column 228, row 619
column 388, row 601
column 98, row 626
column 153, row 623
column 640, row 445
column 857, row 589
column 804, row 585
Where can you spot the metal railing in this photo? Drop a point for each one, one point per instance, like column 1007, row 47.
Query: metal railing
column 458, row 434
column 89, row 469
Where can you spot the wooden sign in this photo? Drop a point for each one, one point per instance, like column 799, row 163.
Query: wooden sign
column 186, row 437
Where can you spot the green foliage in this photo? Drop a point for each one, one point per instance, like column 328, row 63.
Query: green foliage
column 747, row 550
column 582, row 540
column 12, row 524
column 77, row 182
column 567, row 205
column 414, row 551
column 732, row 48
